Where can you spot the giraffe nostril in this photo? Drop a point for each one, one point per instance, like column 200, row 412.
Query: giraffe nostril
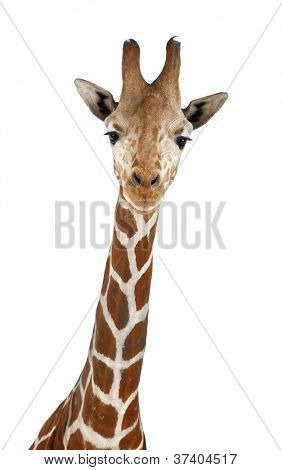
column 137, row 180
column 155, row 181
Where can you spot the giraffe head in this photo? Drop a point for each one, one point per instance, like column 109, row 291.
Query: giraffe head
column 147, row 128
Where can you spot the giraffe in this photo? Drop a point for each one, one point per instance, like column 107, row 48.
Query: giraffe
column 147, row 130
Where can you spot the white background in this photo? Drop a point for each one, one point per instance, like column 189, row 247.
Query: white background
column 190, row 401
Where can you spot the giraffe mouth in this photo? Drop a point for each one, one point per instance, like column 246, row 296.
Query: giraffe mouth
column 141, row 204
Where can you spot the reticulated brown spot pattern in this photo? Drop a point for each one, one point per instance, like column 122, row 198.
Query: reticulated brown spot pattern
column 103, row 375
column 142, row 288
column 132, row 440
column 125, row 221
column 76, row 441
column 58, row 442
column 130, row 378
column 105, row 342
column 101, row 417
column 45, row 444
column 131, row 414
column 76, row 402
column 136, row 340
column 143, row 248
column 117, row 305
column 120, row 262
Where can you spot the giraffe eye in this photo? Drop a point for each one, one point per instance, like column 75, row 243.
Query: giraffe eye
column 113, row 136
column 181, row 141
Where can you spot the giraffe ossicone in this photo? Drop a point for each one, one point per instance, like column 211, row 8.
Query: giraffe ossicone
column 147, row 129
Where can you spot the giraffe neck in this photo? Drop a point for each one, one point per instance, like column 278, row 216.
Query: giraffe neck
column 121, row 320
column 119, row 337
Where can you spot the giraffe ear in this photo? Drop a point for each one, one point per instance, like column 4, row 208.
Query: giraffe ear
column 98, row 100
column 201, row 110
